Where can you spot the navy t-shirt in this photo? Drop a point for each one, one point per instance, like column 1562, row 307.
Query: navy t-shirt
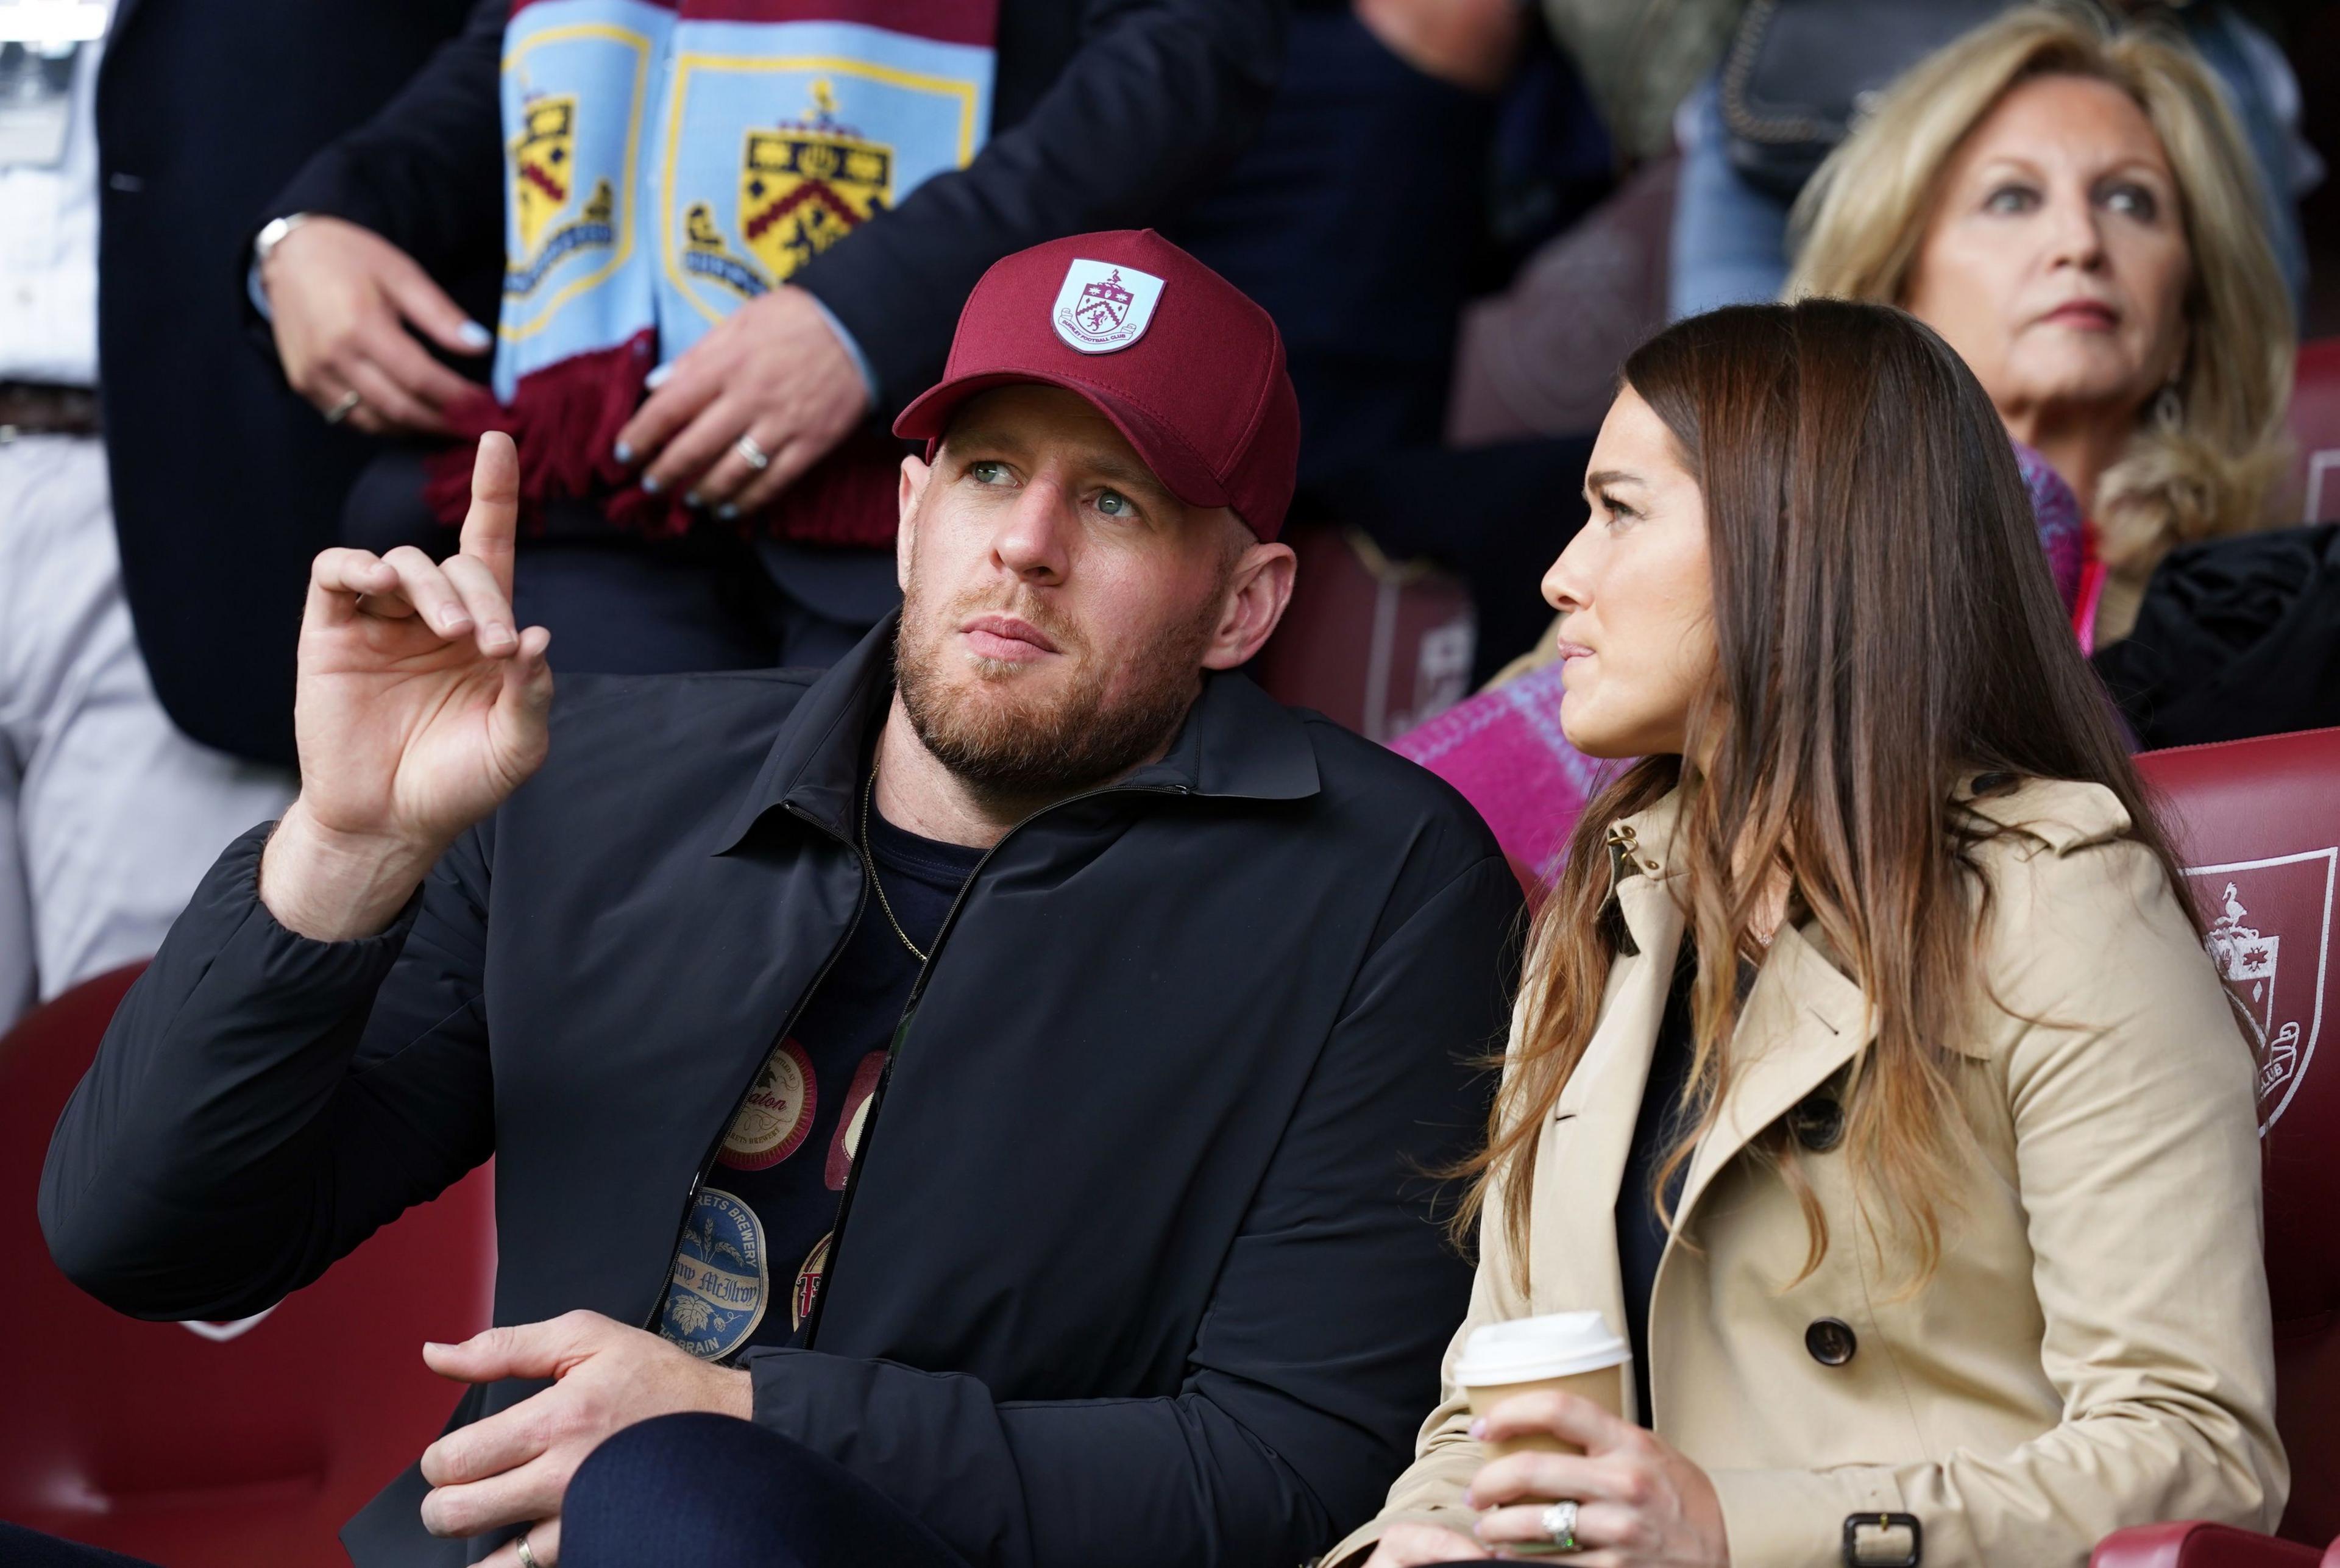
column 756, row 1246
column 1663, row 1118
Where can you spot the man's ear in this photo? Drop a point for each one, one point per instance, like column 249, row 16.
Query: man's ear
column 916, row 476
column 1258, row 590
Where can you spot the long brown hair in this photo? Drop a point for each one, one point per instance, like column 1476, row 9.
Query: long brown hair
column 1885, row 623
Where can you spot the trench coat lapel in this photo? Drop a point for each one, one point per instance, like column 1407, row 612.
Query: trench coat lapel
column 1803, row 1020
column 1591, row 1124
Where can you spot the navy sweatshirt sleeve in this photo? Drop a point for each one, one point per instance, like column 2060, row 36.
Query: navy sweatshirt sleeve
column 263, row 1103
column 1298, row 1406
column 1160, row 95
column 427, row 172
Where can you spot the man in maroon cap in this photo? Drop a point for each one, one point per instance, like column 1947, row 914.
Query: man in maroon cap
column 990, row 1083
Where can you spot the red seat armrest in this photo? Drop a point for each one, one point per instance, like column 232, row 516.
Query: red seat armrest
column 2194, row 1544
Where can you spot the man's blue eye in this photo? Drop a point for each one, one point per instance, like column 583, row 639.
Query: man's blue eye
column 1113, row 503
column 987, row 472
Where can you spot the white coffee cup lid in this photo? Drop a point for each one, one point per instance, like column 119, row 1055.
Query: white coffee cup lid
column 1524, row 1349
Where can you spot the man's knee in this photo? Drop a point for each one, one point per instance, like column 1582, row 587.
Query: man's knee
column 680, row 1488
column 670, row 1456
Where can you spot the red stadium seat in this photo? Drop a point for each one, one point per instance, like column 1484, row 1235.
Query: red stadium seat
column 2314, row 423
column 2258, row 825
column 2200, row 1546
column 1375, row 644
column 215, row 1446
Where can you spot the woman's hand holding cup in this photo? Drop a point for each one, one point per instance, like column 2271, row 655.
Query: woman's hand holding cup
column 1639, row 1502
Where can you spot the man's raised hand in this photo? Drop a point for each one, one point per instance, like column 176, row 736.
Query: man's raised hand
column 421, row 706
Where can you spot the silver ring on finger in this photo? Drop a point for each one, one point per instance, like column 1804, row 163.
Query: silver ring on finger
column 754, row 456
column 527, row 1557
column 341, row 410
column 1560, row 1526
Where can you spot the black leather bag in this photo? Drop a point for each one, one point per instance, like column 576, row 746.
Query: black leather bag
column 1800, row 72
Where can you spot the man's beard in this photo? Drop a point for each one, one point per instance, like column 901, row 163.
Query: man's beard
column 1020, row 744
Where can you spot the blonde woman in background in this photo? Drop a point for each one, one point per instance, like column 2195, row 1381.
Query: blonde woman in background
column 2070, row 202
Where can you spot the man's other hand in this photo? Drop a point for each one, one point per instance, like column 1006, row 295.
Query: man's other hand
column 774, row 371
column 421, row 704
column 341, row 298
column 1411, row 1544
column 513, row 1467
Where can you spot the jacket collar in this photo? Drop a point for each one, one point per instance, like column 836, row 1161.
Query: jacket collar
column 1237, row 743
column 1811, row 1019
column 1641, row 862
column 1810, row 1015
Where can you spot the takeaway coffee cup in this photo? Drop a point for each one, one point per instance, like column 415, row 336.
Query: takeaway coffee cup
column 1573, row 1352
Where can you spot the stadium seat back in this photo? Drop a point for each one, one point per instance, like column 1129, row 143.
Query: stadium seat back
column 2256, row 824
column 2314, row 425
column 215, row 1446
column 1377, row 645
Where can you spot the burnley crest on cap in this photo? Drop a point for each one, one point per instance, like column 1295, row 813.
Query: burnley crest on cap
column 1104, row 308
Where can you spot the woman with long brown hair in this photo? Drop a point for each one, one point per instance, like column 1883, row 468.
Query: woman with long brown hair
column 1869, row 1073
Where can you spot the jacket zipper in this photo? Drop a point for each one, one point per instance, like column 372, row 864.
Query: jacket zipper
column 901, row 1031
column 714, row 1144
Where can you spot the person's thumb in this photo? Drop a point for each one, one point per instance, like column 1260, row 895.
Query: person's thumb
column 432, row 313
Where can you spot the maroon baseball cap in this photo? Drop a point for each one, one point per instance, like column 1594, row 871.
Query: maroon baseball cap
column 1182, row 361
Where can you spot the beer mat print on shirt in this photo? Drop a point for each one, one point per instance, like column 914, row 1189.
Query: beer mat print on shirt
column 721, row 1280
column 847, row 1141
column 1102, row 308
column 809, row 1279
column 776, row 1117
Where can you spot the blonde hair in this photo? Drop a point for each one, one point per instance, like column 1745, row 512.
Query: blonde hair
column 1861, row 220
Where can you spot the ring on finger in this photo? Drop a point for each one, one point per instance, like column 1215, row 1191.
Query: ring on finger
column 754, row 456
column 1560, row 1526
column 341, row 407
column 527, row 1556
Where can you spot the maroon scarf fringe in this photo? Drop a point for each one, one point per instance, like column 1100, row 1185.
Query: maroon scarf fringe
column 565, row 419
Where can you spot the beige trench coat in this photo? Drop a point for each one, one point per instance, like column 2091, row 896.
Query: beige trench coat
column 2095, row 1350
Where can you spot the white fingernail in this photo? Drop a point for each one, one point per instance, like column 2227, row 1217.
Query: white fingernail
column 656, row 378
column 474, row 335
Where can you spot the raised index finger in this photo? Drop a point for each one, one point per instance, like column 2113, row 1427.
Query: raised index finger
column 490, row 527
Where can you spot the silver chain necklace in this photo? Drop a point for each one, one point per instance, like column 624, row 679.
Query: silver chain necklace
column 868, row 798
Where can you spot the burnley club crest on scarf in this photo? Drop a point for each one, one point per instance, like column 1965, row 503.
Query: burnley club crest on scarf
column 1102, row 308
column 805, row 186
column 542, row 156
column 543, row 167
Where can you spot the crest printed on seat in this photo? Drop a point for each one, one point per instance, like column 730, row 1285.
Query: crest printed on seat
column 2271, row 937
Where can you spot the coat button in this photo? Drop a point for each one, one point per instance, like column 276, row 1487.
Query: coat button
column 1832, row 1341
column 1817, row 1121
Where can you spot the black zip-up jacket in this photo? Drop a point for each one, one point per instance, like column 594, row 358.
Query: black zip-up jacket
column 1138, row 1264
